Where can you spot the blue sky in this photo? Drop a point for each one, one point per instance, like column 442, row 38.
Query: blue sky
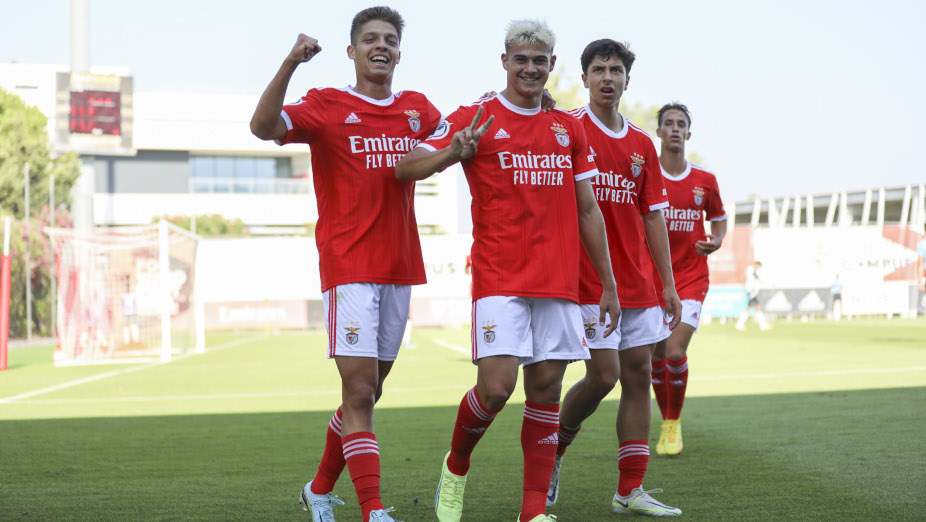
column 787, row 97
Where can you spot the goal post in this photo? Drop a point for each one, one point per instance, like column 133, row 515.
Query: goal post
column 126, row 294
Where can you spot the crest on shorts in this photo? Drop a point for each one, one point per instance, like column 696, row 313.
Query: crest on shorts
column 636, row 168
column 413, row 120
column 698, row 195
column 351, row 335
column 489, row 334
column 589, row 328
column 562, row 136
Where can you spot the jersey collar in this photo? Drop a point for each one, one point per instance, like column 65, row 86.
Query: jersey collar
column 382, row 103
column 604, row 128
column 681, row 176
column 514, row 108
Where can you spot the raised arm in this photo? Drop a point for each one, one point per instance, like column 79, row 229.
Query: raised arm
column 595, row 240
column 266, row 123
column 421, row 162
column 657, row 237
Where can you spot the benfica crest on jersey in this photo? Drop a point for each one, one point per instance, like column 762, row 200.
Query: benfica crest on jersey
column 562, row 136
column 352, row 336
column 589, row 328
column 413, row 120
column 488, row 335
column 636, row 168
column 698, row 195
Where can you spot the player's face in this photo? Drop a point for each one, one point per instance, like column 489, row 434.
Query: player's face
column 376, row 51
column 528, row 69
column 674, row 130
column 606, row 80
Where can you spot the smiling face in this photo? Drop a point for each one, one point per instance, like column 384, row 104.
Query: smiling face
column 674, row 130
column 606, row 80
column 376, row 51
column 528, row 69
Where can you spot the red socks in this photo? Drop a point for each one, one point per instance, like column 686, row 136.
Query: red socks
column 660, row 386
column 566, row 436
column 676, row 386
column 362, row 455
column 332, row 464
column 632, row 459
column 473, row 419
column 539, row 444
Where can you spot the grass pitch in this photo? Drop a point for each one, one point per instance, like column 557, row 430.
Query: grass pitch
column 818, row 421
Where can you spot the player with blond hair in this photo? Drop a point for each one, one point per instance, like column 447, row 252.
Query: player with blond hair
column 533, row 209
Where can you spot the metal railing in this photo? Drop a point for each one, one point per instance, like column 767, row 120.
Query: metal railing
column 250, row 186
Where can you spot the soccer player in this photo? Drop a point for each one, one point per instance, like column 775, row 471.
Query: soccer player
column 630, row 193
column 752, row 293
column 532, row 207
column 693, row 194
column 367, row 237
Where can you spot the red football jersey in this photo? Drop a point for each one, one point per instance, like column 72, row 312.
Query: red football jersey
column 366, row 230
column 692, row 195
column 522, row 179
column 629, row 185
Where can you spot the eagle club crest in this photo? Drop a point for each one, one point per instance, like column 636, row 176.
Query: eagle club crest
column 489, row 334
column 636, row 168
column 413, row 120
column 698, row 195
column 562, row 136
column 352, row 336
column 589, row 328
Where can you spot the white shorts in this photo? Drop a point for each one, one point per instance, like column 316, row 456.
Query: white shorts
column 691, row 312
column 636, row 327
column 366, row 319
column 532, row 328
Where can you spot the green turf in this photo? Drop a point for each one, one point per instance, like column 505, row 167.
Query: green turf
column 818, row 421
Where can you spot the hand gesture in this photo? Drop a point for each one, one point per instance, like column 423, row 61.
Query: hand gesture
column 673, row 310
column 306, row 47
column 464, row 142
column 708, row 247
column 610, row 306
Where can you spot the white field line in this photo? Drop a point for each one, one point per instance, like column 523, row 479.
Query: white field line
column 455, row 347
column 122, row 371
column 227, row 396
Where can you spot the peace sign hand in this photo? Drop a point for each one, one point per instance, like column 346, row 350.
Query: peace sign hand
column 465, row 141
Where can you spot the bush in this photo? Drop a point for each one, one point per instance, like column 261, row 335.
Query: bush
column 210, row 225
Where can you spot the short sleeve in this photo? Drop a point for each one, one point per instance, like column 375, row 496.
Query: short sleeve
column 653, row 195
column 583, row 159
column 305, row 119
column 714, row 207
column 446, row 127
column 434, row 117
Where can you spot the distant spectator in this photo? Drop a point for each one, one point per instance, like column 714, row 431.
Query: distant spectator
column 752, row 292
column 836, row 291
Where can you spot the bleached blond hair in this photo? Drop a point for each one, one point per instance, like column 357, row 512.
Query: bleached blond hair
column 535, row 33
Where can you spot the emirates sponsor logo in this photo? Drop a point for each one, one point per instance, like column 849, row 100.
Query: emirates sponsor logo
column 383, row 143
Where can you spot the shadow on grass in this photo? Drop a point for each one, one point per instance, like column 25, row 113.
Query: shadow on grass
column 817, row 456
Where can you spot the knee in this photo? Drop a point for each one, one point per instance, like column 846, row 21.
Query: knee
column 360, row 396
column 496, row 395
column 601, row 383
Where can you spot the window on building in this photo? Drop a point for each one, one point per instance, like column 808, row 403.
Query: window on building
column 246, row 174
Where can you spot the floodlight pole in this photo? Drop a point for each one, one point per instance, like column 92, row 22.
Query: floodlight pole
column 28, row 265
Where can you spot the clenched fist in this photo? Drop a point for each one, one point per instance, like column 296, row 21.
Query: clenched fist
column 306, row 47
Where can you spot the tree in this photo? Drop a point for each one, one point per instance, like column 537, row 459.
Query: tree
column 25, row 141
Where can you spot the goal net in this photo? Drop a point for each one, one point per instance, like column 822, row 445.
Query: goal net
column 125, row 294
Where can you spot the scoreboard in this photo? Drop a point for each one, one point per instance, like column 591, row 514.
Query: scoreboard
column 94, row 114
